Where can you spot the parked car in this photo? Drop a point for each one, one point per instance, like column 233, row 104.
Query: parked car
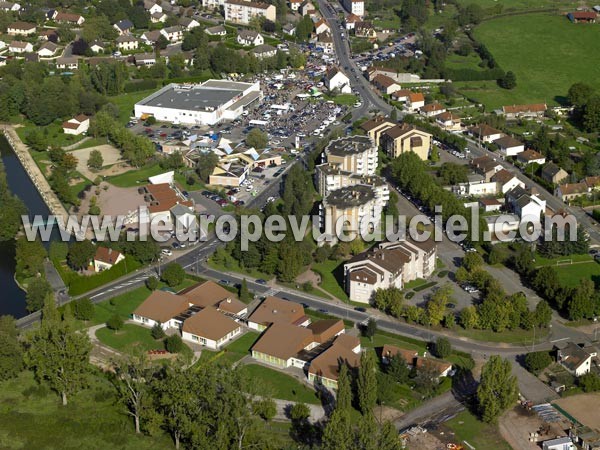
column 261, row 281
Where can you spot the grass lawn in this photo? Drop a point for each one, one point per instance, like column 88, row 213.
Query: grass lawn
column 32, row 417
column 478, row 434
column 331, row 273
column 513, row 5
column 519, row 336
column 234, row 351
column 545, row 51
column 541, row 261
column 125, row 102
column 270, row 382
column 92, row 142
column 128, row 336
column 343, row 99
column 54, row 133
column 136, row 177
column 236, row 268
column 181, row 180
column 381, row 338
column 572, row 274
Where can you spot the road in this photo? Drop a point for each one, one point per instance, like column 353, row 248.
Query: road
column 370, row 100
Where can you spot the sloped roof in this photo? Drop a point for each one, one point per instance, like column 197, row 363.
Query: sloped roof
column 162, row 306
column 209, row 323
column 283, row 340
column 277, row 310
column 106, row 255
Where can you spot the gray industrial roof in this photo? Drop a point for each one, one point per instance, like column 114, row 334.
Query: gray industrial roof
column 349, row 145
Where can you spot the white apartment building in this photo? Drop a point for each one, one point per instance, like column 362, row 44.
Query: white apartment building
column 356, row 154
column 356, row 7
column 241, row 11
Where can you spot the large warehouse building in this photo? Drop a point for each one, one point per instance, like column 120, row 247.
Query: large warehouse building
column 204, row 104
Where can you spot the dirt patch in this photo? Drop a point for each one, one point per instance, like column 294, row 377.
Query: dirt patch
column 585, row 408
column 517, row 425
column 424, row 441
column 113, row 164
column 112, row 201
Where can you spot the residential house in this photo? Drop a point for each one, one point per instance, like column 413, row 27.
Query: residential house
column 350, row 21
column 394, row 74
column 158, row 17
column 486, row 166
column 401, row 95
column 210, row 328
column 526, row 205
column 389, row 351
column 144, row 59
column 574, row 358
column 123, row 26
column 432, row 109
column 289, row 29
column 71, row 19
column 77, row 125
column 490, row 204
column 530, row 156
column 485, row 133
column 551, row 173
column 509, row 146
column 506, row 181
column 356, row 7
column 375, row 127
column 161, row 198
column 67, row 62
column 404, row 138
column 152, row 7
column 476, row 186
column 582, row 16
column 274, row 310
column 21, row 29
column 335, row 79
column 365, row 30
column 127, row 42
column 49, row 35
column 295, row 4
column 281, row 344
column 3, row 61
column 448, row 121
column 161, row 308
column 264, row 51
column 385, row 84
column 569, row 191
column 188, row 23
column 173, row 34
column 97, row 47
column 242, row 11
column 151, row 37
column 321, row 26
column 307, row 9
column 9, row 6
column 47, row 50
column 325, row 42
column 105, row 258
column 416, row 100
column 250, row 37
column 412, row 358
column 219, row 30
column 441, row 368
column 325, row 368
column 532, row 111
column 390, row 264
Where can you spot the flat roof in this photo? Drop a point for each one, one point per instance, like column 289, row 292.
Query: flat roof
column 350, row 196
column 349, row 145
column 205, row 97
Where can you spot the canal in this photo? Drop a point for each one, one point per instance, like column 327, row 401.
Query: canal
column 12, row 298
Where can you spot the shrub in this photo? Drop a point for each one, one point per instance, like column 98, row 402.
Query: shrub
column 442, row 348
column 157, row 331
column 535, row 362
column 115, row 323
column 174, row 344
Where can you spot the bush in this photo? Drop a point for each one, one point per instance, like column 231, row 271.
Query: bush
column 265, row 408
column 157, row 331
column 174, row 344
column 152, row 283
column 590, row 382
column 535, row 362
column 115, row 323
column 141, row 85
column 83, row 309
column 442, row 348
column 173, row 274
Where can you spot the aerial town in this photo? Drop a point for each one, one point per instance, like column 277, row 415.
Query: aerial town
column 308, row 224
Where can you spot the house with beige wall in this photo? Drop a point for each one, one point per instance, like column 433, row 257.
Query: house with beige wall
column 405, row 138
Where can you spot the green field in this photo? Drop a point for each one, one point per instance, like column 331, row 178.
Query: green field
column 467, row 427
column 31, row 417
column 136, row 177
column 270, row 382
column 512, row 5
column 570, row 275
column 547, row 53
column 125, row 102
column 234, row 351
column 128, row 336
column 330, row 272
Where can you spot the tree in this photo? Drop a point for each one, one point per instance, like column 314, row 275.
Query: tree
column 535, row 362
column 367, row 382
column 81, row 254
column 508, row 81
column 579, row 94
column 244, row 293
column 257, row 139
column 589, row 382
column 427, row 379
column 95, row 161
column 131, row 375
column 472, row 261
column 205, row 165
column 397, row 368
column 394, row 115
column 174, row 344
column 299, row 411
column 265, row 408
column 173, row 274
column 591, row 115
column 115, row 322
column 370, row 328
column 443, row 348
column 542, row 314
column 436, row 306
column 29, row 257
column 152, row 283
column 37, row 291
column 58, row 354
column 11, row 351
column 497, row 389
column 157, row 331
column 83, row 309
column 344, row 393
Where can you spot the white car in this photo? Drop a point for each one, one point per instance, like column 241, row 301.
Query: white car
column 166, row 252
